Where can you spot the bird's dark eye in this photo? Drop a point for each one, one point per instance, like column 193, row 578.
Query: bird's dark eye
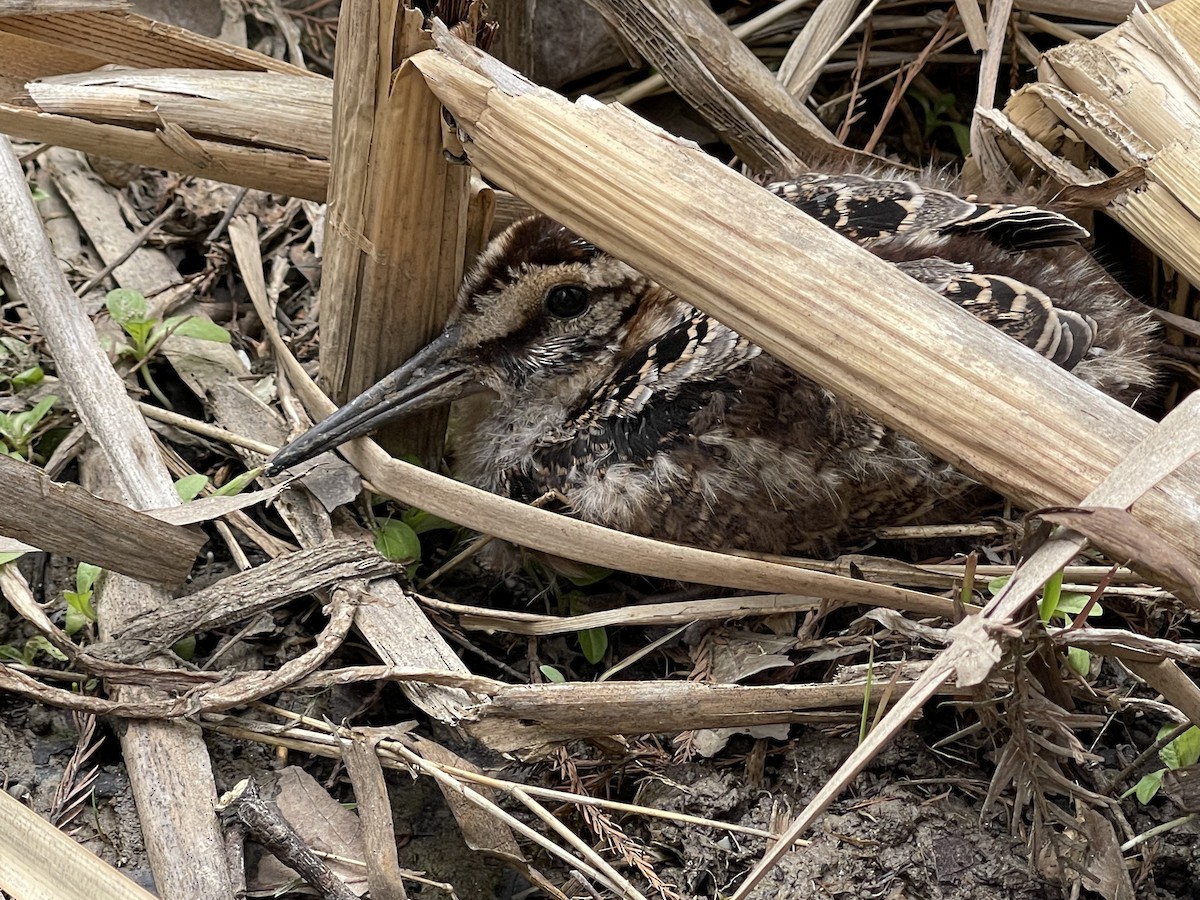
column 567, row 301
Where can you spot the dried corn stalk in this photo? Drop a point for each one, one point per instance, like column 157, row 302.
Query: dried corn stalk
column 1132, row 97
column 232, row 115
column 398, row 212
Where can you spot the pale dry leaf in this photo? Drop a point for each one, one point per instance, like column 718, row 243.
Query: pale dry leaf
column 480, row 830
column 708, row 742
column 737, row 655
column 206, row 509
column 322, row 823
column 975, row 651
column 331, row 480
column 1105, row 870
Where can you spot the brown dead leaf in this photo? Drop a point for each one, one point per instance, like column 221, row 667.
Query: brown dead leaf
column 330, row 479
column 322, row 823
column 480, row 830
column 1105, row 871
column 738, row 654
column 1183, row 787
column 208, row 508
column 375, row 817
column 1103, row 193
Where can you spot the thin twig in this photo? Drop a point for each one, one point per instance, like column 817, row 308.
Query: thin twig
column 204, row 429
column 322, row 743
column 1142, row 758
column 902, row 84
column 138, row 239
column 1156, row 831
column 229, row 214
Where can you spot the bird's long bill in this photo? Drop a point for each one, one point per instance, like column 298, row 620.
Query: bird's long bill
column 428, row 379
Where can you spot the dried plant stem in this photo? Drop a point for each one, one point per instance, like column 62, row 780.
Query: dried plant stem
column 168, row 763
column 911, row 71
column 322, row 741
column 745, row 30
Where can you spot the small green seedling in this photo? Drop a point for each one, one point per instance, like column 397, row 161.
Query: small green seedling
column 146, row 333
column 185, row 648
column 935, row 111
column 19, row 430
column 397, row 541
column 421, row 521
column 189, row 486
column 592, row 641
column 1057, row 605
column 586, row 574
column 19, row 363
column 27, row 378
column 80, row 610
column 1180, row 753
column 239, row 483
column 594, row 644
column 552, row 674
column 864, row 719
column 27, row 654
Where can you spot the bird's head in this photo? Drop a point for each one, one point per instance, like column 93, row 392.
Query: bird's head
column 541, row 306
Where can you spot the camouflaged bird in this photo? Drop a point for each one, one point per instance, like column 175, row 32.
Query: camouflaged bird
column 647, row 415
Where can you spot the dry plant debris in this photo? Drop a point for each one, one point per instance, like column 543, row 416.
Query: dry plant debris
column 992, row 709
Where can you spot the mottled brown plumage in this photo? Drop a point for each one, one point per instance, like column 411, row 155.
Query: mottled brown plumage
column 650, row 416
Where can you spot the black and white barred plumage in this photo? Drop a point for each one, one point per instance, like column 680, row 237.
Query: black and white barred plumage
column 650, row 416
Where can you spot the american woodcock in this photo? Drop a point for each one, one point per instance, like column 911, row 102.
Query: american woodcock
column 649, row 416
